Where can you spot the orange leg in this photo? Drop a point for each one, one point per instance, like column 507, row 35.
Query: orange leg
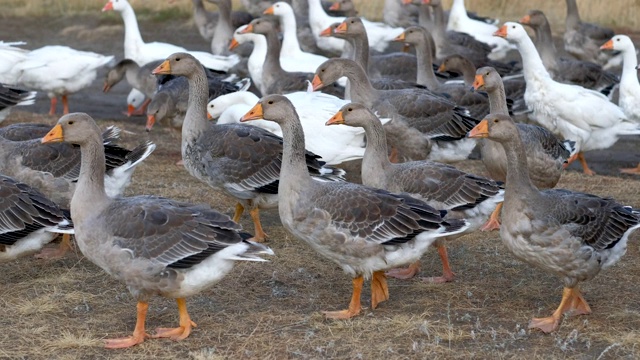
column 354, row 305
column 141, row 111
column 52, row 109
column 393, row 155
column 585, row 167
column 573, row 158
column 238, row 213
column 139, row 333
column 447, row 274
column 572, row 301
column 58, row 252
column 260, row 235
column 65, row 105
column 635, row 170
column 379, row 289
column 405, row 273
column 181, row 332
column 494, row 220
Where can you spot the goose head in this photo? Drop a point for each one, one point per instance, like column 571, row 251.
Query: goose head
column 276, row 108
column 74, row 128
column 280, row 8
column 158, row 108
column 351, row 26
column 412, row 35
column 496, row 127
column 331, row 32
column 487, row 79
column 116, row 5
column 180, row 64
column 513, row 32
column 343, row 5
column 217, row 106
column 353, row 114
column 259, row 26
column 330, row 71
column 618, row 42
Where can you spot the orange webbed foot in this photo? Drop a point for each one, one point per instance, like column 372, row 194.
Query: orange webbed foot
column 547, row 325
column 490, row 225
column 404, row 273
column 121, row 343
column 341, row 314
column 56, row 252
column 176, row 334
column 439, row 279
column 379, row 289
column 635, row 170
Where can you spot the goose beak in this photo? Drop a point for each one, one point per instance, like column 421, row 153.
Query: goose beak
column 130, row 110
column 502, row 32
column 209, row 117
column 106, row 87
column 164, row 68
column 607, row 46
column 316, row 83
column 247, row 30
column 108, row 6
column 342, row 28
column 526, row 20
column 406, row 2
column 335, row 6
column 151, row 119
column 254, row 114
column 269, row 11
column 335, row 119
column 478, row 82
column 400, row 38
column 481, row 130
column 442, row 68
column 326, row 32
column 53, row 136
column 233, row 44
column 426, row 2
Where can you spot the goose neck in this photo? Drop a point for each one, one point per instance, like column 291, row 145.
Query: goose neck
column 375, row 158
column 294, row 172
column 90, row 186
column 272, row 61
column 498, row 99
column 629, row 63
column 519, row 183
column 290, row 36
column 132, row 37
column 545, row 46
column 360, row 88
column 532, row 65
column 573, row 16
column 360, row 45
column 317, row 12
column 195, row 120
column 425, row 75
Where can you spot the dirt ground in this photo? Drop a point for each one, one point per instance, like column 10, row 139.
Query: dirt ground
column 63, row 309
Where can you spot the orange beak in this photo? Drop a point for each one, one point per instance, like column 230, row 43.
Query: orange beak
column 253, row 114
column 400, row 38
column 269, row 11
column 247, row 30
column 151, row 119
column 526, row 20
column 607, row 46
column 335, row 6
column 342, row 28
column 335, row 119
column 326, row 32
column 130, row 110
column 442, row 68
column 481, row 130
column 54, row 135
column 164, row 68
column 316, row 83
column 502, row 32
column 406, row 2
column 478, row 82
column 426, row 2
column 108, row 6
column 209, row 117
column 233, row 44
column 106, row 87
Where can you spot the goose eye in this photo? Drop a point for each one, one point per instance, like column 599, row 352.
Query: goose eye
column 495, row 121
column 617, row 39
column 513, row 26
column 349, row 109
column 322, row 70
column 270, row 102
column 177, row 59
column 70, row 122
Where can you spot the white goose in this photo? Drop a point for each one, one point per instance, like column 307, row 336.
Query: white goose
column 335, row 145
column 570, row 111
column 629, row 86
column 480, row 30
column 379, row 34
column 10, row 55
column 59, row 71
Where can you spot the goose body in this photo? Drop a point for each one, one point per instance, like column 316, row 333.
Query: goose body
column 10, row 55
column 11, row 96
column 363, row 236
column 156, row 246
column 570, row 234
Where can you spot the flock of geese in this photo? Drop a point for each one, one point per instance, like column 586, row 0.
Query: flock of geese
column 407, row 116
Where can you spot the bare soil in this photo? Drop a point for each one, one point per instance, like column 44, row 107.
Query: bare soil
column 63, row 309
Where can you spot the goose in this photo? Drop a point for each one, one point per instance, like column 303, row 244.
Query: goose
column 10, row 55
column 378, row 231
column 570, row 234
column 480, row 30
column 224, row 30
column 28, row 220
column 417, row 114
column 476, row 103
column 135, row 100
column 345, row 7
column 629, row 86
column 134, row 47
column 583, row 73
column 573, row 112
column 59, row 71
column 155, row 245
column 290, row 46
column 379, row 34
column 583, row 40
column 334, row 145
column 11, row 96
column 463, row 195
column 546, row 155
column 276, row 80
column 242, row 161
column 514, row 86
column 138, row 77
column 206, row 21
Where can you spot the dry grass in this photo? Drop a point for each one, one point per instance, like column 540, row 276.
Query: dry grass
column 621, row 13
